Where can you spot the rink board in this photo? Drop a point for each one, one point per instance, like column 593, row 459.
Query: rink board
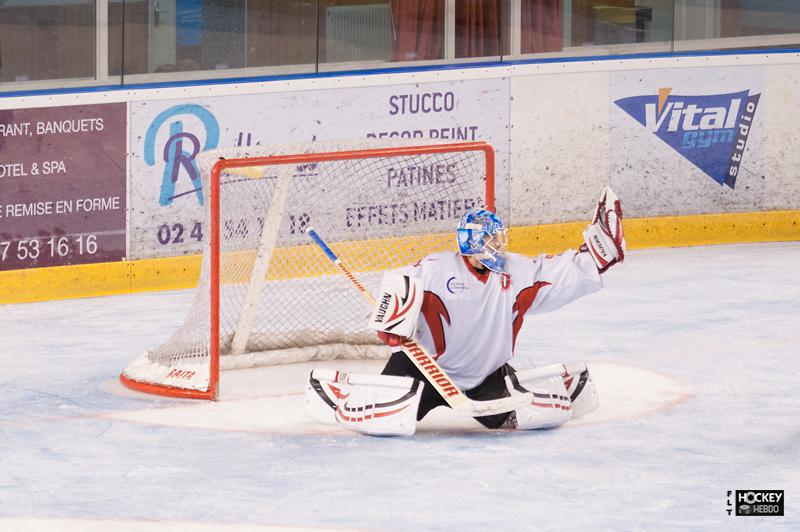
column 43, row 284
column 561, row 130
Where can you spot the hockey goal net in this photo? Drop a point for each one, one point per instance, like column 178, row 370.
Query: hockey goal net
column 266, row 294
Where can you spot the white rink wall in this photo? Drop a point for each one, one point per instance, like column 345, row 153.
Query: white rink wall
column 569, row 137
column 558, row 133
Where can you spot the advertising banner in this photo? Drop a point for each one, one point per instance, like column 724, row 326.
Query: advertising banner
column 696, row 133
column 62, row 185
column 167, row 199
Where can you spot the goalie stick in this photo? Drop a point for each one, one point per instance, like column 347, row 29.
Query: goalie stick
column 435, row 375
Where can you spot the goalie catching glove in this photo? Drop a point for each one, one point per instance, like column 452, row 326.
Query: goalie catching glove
column 396, row 311
column 604, row 238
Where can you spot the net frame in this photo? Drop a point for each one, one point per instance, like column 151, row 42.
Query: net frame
column 213, row 249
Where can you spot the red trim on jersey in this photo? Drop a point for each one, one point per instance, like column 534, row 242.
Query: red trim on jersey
column 434, row 310
column 522, row 304
column 481, row 275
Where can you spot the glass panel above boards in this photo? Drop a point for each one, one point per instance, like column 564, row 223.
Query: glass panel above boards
column 64, row 44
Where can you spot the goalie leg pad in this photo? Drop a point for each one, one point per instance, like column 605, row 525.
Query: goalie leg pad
column 322, row 394
column 551, row 405
column 380, row 405
column 561, row 392
column 578, row 384
column 580, row 388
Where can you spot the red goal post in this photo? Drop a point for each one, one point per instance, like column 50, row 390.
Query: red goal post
column 267, row 296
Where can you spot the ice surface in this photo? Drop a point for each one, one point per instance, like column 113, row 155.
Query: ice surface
column 695, row 353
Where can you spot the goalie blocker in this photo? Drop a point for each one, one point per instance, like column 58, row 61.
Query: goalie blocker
column 394, row 316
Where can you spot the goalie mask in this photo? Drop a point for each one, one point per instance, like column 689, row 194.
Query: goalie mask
column 481, row 235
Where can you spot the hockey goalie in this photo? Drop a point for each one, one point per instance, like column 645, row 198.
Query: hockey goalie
column 465, row 309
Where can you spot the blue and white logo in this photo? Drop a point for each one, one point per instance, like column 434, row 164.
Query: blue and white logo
column 710, row 131
column 454, row 286
column 177, row 161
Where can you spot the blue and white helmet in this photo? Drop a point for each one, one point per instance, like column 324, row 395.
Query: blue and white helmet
column 481, row 234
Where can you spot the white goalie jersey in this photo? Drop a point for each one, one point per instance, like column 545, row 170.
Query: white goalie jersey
column 470, row 320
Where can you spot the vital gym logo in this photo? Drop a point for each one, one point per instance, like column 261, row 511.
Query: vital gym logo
column 759, row 503
column 710, row 131
column 173, row 153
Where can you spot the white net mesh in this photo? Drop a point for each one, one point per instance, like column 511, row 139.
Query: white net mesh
column 377, row 212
